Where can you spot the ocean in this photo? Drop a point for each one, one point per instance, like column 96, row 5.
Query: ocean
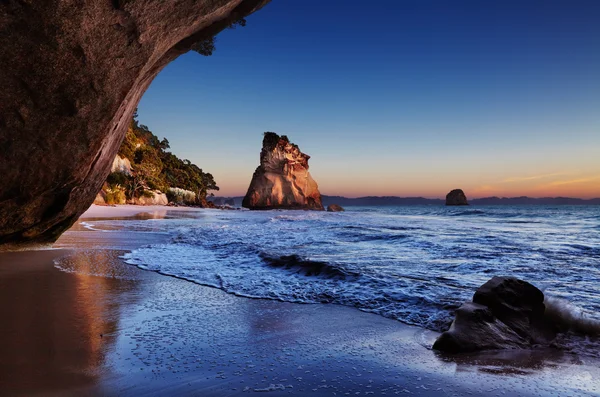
column 416, row 264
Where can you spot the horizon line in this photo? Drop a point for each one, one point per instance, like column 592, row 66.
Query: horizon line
column 440, row 198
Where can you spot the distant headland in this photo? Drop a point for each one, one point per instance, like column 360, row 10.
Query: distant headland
column 407, row 201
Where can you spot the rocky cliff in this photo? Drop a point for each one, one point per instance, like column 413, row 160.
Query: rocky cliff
column 282, row 179
column 71, row 75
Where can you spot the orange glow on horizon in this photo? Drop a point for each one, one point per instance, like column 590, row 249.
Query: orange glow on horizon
column 573, row 185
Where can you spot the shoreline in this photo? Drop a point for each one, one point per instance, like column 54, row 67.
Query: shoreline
column 102, row 327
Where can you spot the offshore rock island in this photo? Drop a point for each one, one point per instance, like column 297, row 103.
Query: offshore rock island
column 456, row 197
column 282, row 180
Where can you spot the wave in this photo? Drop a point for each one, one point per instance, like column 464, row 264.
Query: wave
column 307, row 267
column 467, row 213
column 578, row 333
column 569, row 318
column 584, row 248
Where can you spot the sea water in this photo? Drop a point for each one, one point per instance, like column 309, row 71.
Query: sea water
column 414, row 264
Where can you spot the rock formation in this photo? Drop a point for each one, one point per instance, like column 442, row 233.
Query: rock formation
column 155, row 197
column 505, row 313
column 71, row 75
column 121, row 165
column 282, row 179
column 456, row 197
column 334, row 208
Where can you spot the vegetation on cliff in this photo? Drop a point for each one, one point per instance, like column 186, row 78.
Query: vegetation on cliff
column 155, row 169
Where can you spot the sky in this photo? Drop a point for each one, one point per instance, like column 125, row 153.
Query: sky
column 403, row 97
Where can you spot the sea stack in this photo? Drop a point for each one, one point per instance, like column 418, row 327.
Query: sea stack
column 456, row 197
column 282, row 180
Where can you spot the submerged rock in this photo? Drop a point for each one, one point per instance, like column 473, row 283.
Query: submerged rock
column 456, row 197
column 505, row 313
column 335, row 208
column 282, row 179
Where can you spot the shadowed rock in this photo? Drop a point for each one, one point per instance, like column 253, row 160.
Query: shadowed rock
column 71, row 75
column 505, row 313
column 282, row 180
column 334, row 208
column 456, row 197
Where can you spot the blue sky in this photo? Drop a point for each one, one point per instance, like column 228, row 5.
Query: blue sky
column 397, row 97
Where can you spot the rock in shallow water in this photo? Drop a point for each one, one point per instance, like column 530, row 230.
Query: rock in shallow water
column 456, row 197
column 335, row 208
column 282, row 179
column 505, row 313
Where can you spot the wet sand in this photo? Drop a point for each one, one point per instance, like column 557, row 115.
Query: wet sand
column 101, row 327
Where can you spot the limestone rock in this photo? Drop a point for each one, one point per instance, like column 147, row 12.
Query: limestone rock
column 282, row 179
column 71, row 75
column 121, row 165
column 456, row 197
column 157, row 198
column 100, row 198
column 334, row 208
column 505, row 313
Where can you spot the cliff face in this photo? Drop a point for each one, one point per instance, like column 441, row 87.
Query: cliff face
column 282, row 180
column 71, row 75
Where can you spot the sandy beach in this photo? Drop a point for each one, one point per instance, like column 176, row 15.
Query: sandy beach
column 77, row 320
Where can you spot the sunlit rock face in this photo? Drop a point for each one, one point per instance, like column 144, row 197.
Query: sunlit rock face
column 282, row 180
column 71, row 75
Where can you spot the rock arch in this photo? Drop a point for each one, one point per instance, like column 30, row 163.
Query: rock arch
column 71, row 75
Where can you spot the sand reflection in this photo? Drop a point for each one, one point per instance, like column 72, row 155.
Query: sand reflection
column 511, row 362
column 56, row 331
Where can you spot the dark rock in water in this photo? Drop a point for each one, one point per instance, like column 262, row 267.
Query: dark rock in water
column 456, row 197
column 476, row 328
column 517, row 304
column 334, row 208
column 282, row 180
column 71, row 75
column 505, row 313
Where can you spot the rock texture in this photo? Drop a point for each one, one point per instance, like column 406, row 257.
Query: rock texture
column 100, row 198
column 71, row 75
column 456, row 197
column 282, row 179
column 157, row 198
column 505, row 313
column 334, row 208
column 121, row 165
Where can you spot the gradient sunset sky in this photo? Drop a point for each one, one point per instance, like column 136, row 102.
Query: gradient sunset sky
column 406, row 98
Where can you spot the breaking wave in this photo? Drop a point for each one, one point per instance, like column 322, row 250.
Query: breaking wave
column 569, row 318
